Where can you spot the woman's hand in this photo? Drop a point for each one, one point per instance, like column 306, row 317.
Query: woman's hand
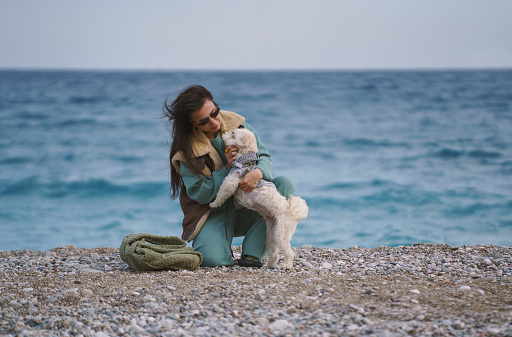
column 231, row 153
column 250, row 180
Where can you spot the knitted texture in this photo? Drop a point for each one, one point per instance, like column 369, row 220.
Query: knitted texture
column 145, row 252
column 244, row 163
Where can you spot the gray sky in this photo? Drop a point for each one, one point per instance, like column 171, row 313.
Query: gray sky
column 247, row 34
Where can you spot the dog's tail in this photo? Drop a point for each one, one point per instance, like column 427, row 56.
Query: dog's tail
column 298, row 207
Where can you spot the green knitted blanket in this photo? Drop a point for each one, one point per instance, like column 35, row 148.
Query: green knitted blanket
column 146, row 252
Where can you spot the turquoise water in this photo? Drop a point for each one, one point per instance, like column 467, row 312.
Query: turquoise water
column 382, row 158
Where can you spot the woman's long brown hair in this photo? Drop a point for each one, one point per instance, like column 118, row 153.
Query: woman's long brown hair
column 178, row 113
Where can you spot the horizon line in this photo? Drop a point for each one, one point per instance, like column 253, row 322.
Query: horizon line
column 375, row 69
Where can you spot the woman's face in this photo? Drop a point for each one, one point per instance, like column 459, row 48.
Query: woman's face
column 207, row 119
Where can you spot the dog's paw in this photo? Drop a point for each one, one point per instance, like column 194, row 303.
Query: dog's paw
column 214, row 204
column 271, row 266
column 288, row 265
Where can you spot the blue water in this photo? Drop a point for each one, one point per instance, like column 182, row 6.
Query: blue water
column 382, row 158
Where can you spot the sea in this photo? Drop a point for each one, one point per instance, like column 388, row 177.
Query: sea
column 383, row 158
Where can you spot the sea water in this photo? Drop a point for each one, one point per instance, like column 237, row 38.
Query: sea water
column 382, row 158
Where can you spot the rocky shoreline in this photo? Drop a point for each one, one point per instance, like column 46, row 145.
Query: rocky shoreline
column 424, row 290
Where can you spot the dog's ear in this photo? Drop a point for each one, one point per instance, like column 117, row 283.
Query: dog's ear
column 248, row 140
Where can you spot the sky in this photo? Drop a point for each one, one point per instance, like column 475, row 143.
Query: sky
column 255, row 35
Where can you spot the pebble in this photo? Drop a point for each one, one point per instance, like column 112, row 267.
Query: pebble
column 14, row 303
column 52, row 299
column 326, row 265
column 356, row 308
column 134, row 327
column 494, row 331
column 87, row 292
column 291, row 310
column 100, row 334
column 353, row 292
column 279, row 325
column 91, row 271
column 307, row 264
column 262, row 321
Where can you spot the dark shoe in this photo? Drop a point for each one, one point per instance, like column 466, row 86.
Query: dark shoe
column 248, row 262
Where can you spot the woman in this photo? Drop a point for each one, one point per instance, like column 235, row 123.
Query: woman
column 199, row 163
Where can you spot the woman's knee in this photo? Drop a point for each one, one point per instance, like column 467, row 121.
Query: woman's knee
column 284, row 185
column 213, row 255
column 216, row 260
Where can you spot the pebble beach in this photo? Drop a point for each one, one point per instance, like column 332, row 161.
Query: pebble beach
column 419, row 290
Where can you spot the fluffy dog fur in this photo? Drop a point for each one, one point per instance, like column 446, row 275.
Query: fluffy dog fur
column 281, row 215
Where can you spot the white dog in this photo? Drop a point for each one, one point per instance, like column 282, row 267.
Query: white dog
column 280, row 214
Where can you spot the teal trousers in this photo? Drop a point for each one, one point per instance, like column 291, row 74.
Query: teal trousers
column 215, row 238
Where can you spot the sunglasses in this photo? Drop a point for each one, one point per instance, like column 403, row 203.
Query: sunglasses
column 213, row 115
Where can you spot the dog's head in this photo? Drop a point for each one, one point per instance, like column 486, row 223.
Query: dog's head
column 243, row 139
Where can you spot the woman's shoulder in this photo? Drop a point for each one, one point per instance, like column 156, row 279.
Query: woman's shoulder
column 230, row 120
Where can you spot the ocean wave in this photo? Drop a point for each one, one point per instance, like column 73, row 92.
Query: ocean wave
column 506, row 167
column 506, row 223
column 450, row 153
column 89, row 122
column 363, row 234
column 321, row 202
column 483, row 154
column 111, row 225
column 367, row 142
column 394, row 240
column 476, row 208
column 19, row 187
column 86, row 99
column 92, row 188
column 385, row 192
column 402, row 195
column 376, row 193
column 28, row 115
column 311, row 143
column 15, row 160
column 355, row 185
column 128, row 159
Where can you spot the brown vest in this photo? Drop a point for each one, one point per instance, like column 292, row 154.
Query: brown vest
column 192, row 210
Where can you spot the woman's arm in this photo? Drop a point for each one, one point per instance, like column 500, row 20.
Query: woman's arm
column 201, row 188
